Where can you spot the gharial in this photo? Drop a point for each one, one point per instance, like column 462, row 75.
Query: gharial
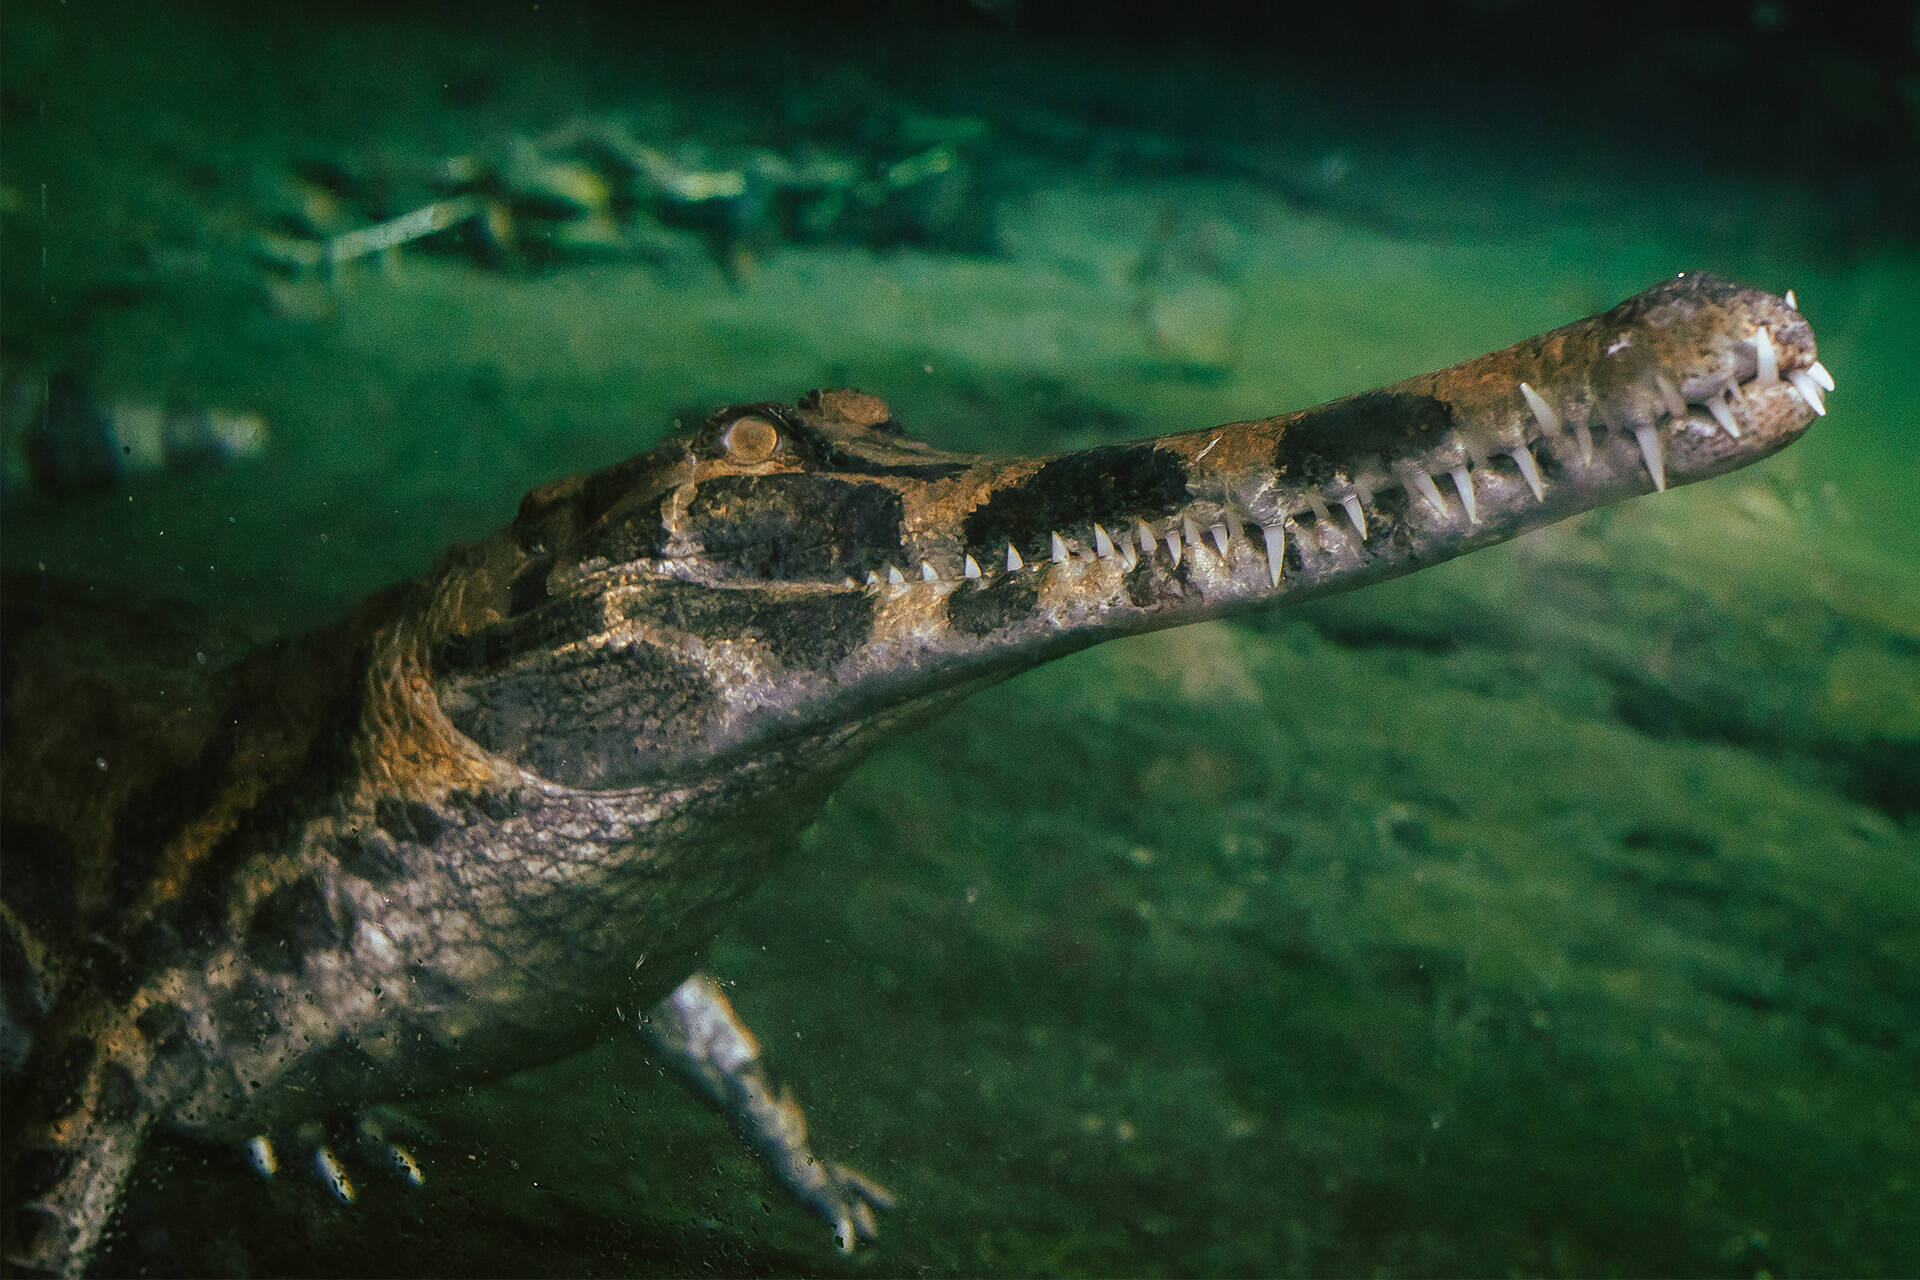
column 436, row 840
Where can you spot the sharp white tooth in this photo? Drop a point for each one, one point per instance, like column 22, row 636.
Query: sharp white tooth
column 1102, row 544
column 928, row 573
column 1173, row 546
column 1523, row 459
column 1145, row 533
column 1423, row 485
column 1583, row 438
column 1818, row 372
column 1276, row 540
column 1057, row 547
column 1676, row 407
column 1014, row 563
column 1649, row 438
column 1464, row 483
column 1793, row 303
column 1127, row 554
column 1542, row 412
column 1809, row 391
column 1236, row 531
column 1723, row 415
column 1190, row 531
column 327, row 1165
column 971, row 568
column 1219, row 532
column 260, row 1155
column 895, row 577
column 873, row 579
column 1356, row 513
column 1769, row 363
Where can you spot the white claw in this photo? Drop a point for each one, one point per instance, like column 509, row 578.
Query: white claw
column 971, row 567
column 1219, row 532
column 1818, row 372
column 1523, row 459
column 1145, row 534
column 1793, row 303
column 1275, row 536
column 895, row 577
column 1014, row 563
column 1423, row 485
column 1723, row 415
column 1102, row 543
column 327, row 1165
column 1768, row 362
column 1464, row 483
column 1809, row 391
column 1356, row 513
column 1542, row 411
column 1650, row 449
column 260, row 1155
column 1057, row 547
column 405, row 1164
column 928, row 573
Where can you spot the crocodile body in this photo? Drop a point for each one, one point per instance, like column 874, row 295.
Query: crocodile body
column 449, row 836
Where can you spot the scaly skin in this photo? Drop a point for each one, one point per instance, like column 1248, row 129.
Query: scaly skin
column 450, row 835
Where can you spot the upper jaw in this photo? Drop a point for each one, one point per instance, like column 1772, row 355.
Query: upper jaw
column 1686, row 380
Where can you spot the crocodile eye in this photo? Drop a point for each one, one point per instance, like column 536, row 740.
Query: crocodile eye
column 751, row 439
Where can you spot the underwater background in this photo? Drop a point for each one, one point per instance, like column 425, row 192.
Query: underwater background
column 1552, row 911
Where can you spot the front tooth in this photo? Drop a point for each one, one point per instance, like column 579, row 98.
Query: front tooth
column 1763, row 353
column 1542, row 411
column 873, row 579
column 895, row 577
column 1276, row 540
column 1145, row 534
column 1423, row 485
column 1523, row 459
column 1014, row 562
column 1127, row 555
column 1676, row 407
column 1724, row 416
column 1809, row 391
column 1819, row 374
column 1649, row 439
column 1464, row 483
column 1219, row 532
column 1173, row 545
column 1102, row 544
column 1356, row 513
column 1057, row 547
column 972, row 568
column 927, row 573
column 1190, row 531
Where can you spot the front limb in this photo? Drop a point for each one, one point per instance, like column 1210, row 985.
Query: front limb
column 695, row 1032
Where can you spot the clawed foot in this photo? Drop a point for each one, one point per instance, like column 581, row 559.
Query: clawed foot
column 379, row 1140
column 846, row 1198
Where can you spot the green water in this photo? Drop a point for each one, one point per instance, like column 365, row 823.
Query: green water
column 1551, row 911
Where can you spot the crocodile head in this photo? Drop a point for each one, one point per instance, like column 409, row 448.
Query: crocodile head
column 784, row 574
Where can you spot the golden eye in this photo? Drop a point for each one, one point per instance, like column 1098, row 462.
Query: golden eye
column 751, row 440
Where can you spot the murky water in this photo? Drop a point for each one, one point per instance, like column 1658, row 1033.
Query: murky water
column 1549, row 911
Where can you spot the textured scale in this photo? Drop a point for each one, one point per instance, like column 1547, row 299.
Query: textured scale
column 250, row 888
